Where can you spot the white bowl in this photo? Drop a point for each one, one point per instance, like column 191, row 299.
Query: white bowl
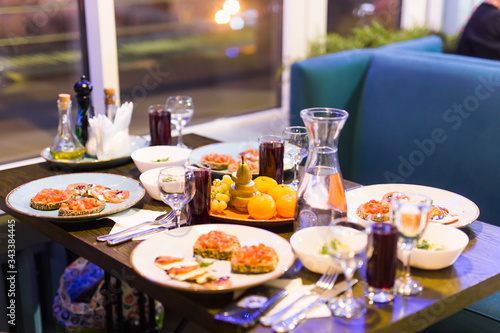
column 144, row 158
column 307, row 244
column 452, row 239
column 149, row 180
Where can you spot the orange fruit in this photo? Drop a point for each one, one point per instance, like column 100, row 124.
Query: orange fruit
column 261, row 206
column 264, row 183
column 280, row 190
column 285, row 206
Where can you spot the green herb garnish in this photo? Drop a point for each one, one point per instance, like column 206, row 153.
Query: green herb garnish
column 203, row 263
column 161, row 159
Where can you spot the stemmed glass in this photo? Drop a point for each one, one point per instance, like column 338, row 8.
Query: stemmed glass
column 181, row 110
column 347, row 243
column 296, row 147
column 410, row 213
column 177, row 188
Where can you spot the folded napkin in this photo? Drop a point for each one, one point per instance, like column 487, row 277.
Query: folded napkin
column 295, row 290
column 110, row 139
column 131, row 217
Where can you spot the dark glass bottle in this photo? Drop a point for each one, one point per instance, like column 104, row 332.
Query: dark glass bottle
column 83, row 88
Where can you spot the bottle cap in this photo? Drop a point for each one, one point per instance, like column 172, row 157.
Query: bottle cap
column 83, row 87
column 109, row 96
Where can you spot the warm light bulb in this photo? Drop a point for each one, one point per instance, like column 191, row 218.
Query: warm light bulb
column 222, row 17
column 231, row 6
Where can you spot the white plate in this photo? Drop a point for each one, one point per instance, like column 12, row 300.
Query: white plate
column 466, row 210
column 19, row 198
column 87, row 161
column 231, row 148
column 179, row 243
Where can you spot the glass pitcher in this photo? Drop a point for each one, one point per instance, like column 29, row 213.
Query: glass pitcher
column 321, row 195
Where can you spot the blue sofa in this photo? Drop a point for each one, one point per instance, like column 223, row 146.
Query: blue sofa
column 416, row 116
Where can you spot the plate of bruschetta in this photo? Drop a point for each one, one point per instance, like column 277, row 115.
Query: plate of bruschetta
column 213, row 258
column 75, row 197
column 225, row 157
column 447, row 208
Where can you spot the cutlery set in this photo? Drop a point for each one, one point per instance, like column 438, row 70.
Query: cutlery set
column 164, row 222
column 325, row 289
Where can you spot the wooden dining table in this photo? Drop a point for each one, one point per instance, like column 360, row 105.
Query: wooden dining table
column 474, row 276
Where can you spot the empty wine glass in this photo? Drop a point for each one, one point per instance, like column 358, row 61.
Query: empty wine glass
column 181, row 110
column 410, row 214
column 296, row 147
column 347, row 243
column 177, row 187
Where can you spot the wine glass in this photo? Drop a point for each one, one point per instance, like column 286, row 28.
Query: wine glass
column 177, row 187
column 296, row 147
column 410, row 213
column 347, row 243
column 181, row 110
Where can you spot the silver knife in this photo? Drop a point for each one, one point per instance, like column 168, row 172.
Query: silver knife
column 169, row 226
column 290, row 323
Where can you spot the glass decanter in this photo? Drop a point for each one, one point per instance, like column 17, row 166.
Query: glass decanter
column 66, row 145
column 321, row 195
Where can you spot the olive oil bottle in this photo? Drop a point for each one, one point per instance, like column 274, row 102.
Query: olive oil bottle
column 66, row 145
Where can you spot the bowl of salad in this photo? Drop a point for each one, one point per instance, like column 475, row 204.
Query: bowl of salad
column 438, row 248
column 153, row 157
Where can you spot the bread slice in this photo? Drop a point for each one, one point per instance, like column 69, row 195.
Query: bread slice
column 379, row 210
column 81, row 206
column 217, row 161
column 254, row 259
column 216, row 245
column 50, row 199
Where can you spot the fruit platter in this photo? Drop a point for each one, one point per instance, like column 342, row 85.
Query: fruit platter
column 261, row 201
column 225, row 157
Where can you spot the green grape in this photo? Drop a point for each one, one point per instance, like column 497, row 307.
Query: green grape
column 227, row 179
column 222, row 206
column 224, row 187
column 224, row 197
column 215, row 205
column 218, row 196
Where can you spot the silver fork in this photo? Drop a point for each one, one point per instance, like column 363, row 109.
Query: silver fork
column 165, row 219
column 325, row 282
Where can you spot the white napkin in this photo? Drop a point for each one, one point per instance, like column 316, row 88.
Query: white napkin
column 131, row 217
column 109, row 139
column 296, row 290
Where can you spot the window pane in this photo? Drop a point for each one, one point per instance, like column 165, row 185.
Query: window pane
column 40, row 57
column 344, row 15
column 175, row 47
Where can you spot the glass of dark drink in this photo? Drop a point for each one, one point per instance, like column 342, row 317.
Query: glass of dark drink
column 159, row 125
column 199, row 207
column 271, row 154
column 382, row 260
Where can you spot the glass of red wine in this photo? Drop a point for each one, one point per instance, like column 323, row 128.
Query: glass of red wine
column 159, row 125
column 410, row 213
column 271, row 155
column 199, row 207
column 382, row 260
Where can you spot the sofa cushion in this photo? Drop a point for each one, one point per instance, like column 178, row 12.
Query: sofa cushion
column 427, row 44
column 431, row 120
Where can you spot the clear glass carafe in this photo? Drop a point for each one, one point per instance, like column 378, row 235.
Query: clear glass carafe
column 66, row 145
column 321, row 195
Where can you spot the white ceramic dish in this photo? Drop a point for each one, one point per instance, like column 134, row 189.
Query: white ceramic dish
column 179, row 243
column 452, row 239
column 149, row 180
column 145, row 158
column 19, row 198
column 307, row 244
column 466, row 210
column 231, row 148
